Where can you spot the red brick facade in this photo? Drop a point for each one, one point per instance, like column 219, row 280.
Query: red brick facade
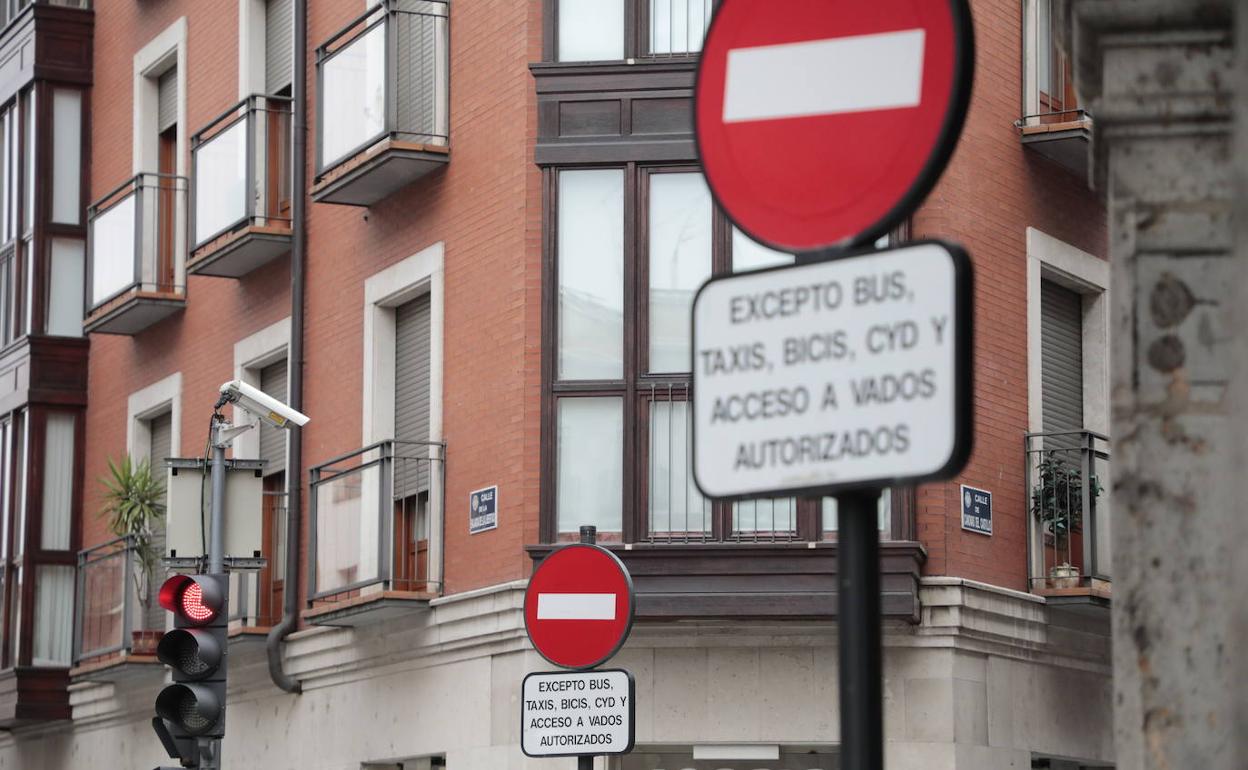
column 486, row 207
column 992, row 192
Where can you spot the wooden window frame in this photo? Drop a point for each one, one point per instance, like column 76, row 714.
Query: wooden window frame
column 638, row 388
column 636, row 21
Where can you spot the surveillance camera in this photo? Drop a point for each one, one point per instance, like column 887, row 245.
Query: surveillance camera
column 256, row 402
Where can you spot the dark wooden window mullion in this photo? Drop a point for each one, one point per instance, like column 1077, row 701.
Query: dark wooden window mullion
column 632, row 363
column 550, row 345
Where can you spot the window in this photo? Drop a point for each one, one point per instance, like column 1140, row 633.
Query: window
column 632, row 245
column 37, row 538
column 613, row 30
column 17, row 217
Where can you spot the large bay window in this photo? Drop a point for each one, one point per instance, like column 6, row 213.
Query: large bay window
column 631, row 246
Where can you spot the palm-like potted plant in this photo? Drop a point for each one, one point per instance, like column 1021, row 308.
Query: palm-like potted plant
column 134, row 502
column 1057, row 504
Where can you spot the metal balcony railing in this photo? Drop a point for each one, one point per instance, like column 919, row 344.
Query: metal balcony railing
column 377, row 520
column 133, row 241
column 676, row 511
column 677, row 27
column 1049, row 90
column 386, row 75
column 241, row 170
column 116, row 609
column 1069, row 507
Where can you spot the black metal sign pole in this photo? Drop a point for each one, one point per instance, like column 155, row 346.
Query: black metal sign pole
column 589, row 536
column 858, row 596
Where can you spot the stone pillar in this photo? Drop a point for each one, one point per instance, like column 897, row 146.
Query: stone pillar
column 1163, row 87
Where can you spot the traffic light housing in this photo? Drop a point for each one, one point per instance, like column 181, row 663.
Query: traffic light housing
column 193, row 706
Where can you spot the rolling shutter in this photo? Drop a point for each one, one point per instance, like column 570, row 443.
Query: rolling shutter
column 167, row 100
column 1061, row 315
column 411, row 390
column 278, row 45
column 273, row 440
column 161, row 448
column 162, row 442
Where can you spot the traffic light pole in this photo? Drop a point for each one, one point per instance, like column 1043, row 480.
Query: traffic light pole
column 210, row 748
column 216, row 542
column 858, row 597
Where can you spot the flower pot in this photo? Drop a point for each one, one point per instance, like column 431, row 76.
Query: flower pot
column 1064, row 576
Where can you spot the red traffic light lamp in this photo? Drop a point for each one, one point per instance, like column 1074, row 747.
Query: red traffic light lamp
column 197, row 600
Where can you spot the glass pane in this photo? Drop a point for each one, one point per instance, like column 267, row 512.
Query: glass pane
column 347, row 518
column 591, row 275
column 221, row 182
column 58, row 487
column 54, row 615
column 29, row 205
column 6, row 485
column 65, row 293
column 680, row 260
column 15, row 615
column 103, row 603
column 885, row 512
column 677, row 508
column 8, row 199
column 112, row 251
column 591, row 30
column 590, row 463
column 771, row 516
column 20, row 446
column 66, row 156
column 748, row 254
column 678, row 26
column 353, row 86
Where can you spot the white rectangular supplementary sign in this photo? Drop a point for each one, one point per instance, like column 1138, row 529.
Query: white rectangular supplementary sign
column 576, row 606
column 822, row 377
column 575, row 714
column 825, row 77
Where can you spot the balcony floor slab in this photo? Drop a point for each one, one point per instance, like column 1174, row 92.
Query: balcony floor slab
column 378, row 172
column 238, row 253
column 133, row 312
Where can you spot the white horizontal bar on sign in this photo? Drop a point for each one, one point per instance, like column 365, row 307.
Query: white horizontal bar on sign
column 825, row 77
column 576, row 606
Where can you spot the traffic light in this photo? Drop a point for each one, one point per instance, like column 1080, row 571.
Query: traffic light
column 193, row 707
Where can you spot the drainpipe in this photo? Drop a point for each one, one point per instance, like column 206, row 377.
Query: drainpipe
column 294, row 455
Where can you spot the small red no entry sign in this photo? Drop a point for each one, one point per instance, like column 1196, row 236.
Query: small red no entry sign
column 826, row 122
column 578, row 608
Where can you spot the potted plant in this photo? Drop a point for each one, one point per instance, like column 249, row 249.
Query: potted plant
column 134, row 502
column 1057, row 504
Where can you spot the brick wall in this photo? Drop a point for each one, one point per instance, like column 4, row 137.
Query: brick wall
column 995, row 189
column 485, row 207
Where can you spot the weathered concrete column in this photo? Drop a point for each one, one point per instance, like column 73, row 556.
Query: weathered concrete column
column 1163, row 86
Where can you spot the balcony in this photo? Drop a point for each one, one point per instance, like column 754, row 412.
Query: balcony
column 1054, row 124
column 383, row 102
column 1071, row 513
column 117, row 622
column 256, row 595
column 376, row 533
column 240, row 189
column 134, row 255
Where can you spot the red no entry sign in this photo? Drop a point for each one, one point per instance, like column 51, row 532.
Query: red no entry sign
column 826, row 122
column 578, row 608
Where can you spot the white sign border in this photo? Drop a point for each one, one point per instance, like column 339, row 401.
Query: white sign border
column 493, row 526
column 964, row 344
column 632, row 712
column 962, row 488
